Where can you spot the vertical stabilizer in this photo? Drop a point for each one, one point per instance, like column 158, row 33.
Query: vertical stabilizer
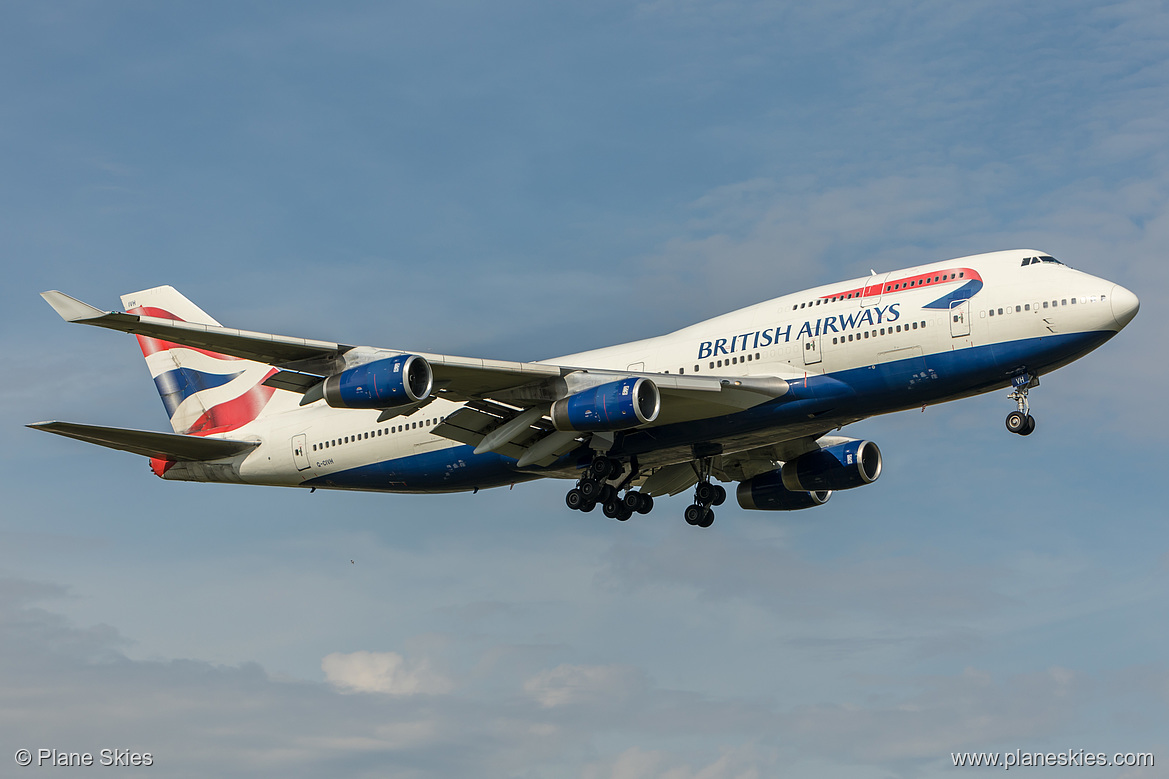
column 204, row 392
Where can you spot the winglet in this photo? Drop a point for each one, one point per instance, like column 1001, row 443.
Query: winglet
column 71, row 309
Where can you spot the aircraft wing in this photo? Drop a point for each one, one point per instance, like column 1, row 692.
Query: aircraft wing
column 456, row 378
column 247, row 345
column 165, row 446
column 520, row 386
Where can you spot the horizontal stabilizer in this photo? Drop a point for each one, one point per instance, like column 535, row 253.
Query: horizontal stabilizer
column 165, row 446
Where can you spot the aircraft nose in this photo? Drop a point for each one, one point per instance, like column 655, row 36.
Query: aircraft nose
column 1124, row 305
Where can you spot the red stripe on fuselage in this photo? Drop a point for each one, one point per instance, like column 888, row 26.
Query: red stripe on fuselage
column 933, row 278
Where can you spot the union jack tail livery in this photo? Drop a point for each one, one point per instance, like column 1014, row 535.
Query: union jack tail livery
column 204, row 392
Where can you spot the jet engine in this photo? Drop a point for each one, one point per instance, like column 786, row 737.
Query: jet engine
column 618, row 405
column 766, row 492
column 840, row 467
column 389, row 383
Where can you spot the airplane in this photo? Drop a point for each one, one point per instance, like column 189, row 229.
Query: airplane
column 755, row 397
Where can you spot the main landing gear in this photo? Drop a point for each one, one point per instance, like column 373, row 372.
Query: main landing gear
column 605, row 478
column 596, row 487
column 1021, row 422
column 706, row 495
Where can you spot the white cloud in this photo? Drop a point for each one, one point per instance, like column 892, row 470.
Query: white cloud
column 584, row 684
column 385, row 672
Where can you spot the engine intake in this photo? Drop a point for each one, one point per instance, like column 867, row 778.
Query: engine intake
column 840, row 467
column 766, row 492
column 390, row 383
column 618, row 405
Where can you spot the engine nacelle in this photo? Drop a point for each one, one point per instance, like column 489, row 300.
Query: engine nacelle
column 840, row 467
column 389, row 383
column 766, row 492
column 618, row 405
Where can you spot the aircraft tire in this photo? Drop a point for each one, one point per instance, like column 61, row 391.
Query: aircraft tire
column 1016, row 422
column 707, row 519
column 602, row 467
column 590, row 489
column 694, row 514
column 575, row 499
column 720, row 495
column 704, row 493
column 1029, row 427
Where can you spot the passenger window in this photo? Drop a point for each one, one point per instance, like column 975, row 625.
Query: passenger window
column 1045, row 304
column 696, row 369
column 833, row 341
column 681, row 371
column 915, row 325
column 882, row 331
column 1027, row 307
column 1016, row 309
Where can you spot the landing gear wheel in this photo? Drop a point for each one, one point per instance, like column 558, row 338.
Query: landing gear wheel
column 588, row 506
column 575, row 499
column 590, row 489
column 1029, row 428
column 602, row 467
column 608, row 494
column 612, row 508
column 623, row 512
column 720, row 495
column 704, row 493
column 694, row 513
column 1017, row 422
column 645, row 502
column 707, row 519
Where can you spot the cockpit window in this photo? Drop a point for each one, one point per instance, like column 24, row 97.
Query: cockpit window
column 1039, row 259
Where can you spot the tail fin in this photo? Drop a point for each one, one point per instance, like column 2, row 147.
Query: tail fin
column 204, row 392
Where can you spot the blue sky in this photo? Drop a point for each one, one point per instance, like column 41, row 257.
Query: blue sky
column 519, row 180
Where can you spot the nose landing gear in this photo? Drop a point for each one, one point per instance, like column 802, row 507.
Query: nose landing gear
column 1021, row 422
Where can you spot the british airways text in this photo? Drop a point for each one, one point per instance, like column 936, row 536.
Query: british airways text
column 874, row 315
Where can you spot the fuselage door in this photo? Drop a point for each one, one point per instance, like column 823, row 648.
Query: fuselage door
column 960, row 318
column 874, row 288
column 300, row 452
column 811, row 348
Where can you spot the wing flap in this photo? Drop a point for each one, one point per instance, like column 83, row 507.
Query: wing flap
column 165, row 446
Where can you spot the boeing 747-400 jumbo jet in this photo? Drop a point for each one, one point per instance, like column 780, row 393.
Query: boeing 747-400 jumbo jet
column 750, row 397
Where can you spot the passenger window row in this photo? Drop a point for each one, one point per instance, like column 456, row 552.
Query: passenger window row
column 365, row 436
column 878, row 332
column 1019, row 308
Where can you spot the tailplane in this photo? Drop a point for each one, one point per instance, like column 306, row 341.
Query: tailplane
column 204, row 392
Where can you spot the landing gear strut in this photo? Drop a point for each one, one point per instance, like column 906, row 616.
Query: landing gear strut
column 706, row 495
column 602, row 483
column 1021, row 422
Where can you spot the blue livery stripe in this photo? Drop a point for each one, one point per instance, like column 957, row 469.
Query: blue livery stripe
column 965, row 292
column 176, row 386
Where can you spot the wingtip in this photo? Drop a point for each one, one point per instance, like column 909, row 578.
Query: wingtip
column 70, row 308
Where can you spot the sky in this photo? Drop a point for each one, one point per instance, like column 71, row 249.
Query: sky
column 518, row 180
